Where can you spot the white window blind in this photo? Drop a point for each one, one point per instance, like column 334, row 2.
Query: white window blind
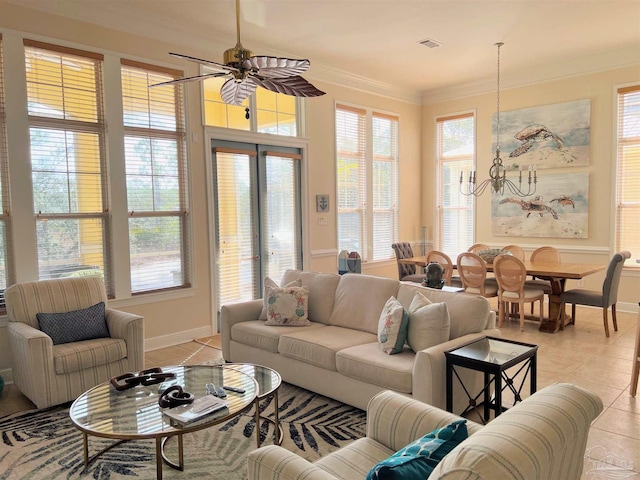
column 155, row 161
column 628, row 174
column 455, row 147
column 367, row 181
column 67, row 136
column 6, row 274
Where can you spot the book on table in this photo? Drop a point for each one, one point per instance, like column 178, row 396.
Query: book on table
column 199, row 409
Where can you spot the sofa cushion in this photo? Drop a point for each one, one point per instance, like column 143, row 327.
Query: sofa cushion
column 256, row 334
column 322, row 289
column 75, row 326
column 428, row 323
column 467, row 313
column 269, row 282
column 287, row 306
column 370, row 364
column 359, row 301
column 355, row 459
column 419, row 458
column 76, row 356
column 392, row 327
column 319, row 346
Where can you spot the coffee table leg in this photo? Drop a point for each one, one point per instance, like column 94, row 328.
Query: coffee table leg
column 277, row 437
column 159, row 458
column 258, row 422
column 180, row 452
column 85, row 447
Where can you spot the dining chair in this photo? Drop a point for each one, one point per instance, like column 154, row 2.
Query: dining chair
column 406, row 272
column 473, row 273
column 511, row 275
column 445, row 261
column 605, row 298
column 635, row 370
column 476, row 247
column 544, row 254
column 516, row 250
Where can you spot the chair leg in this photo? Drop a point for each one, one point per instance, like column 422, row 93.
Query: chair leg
column 606, row 322
column 573, row 314
column 501, row 307
column 542, row 310
column 521, row 308
column 613, row 317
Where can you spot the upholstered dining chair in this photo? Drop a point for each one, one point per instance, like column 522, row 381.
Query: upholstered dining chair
column 515, row 250
column 65, row 340
column 445, row 261
column 511, row 275
column 605, row 298
column 406, row 272
column 476, row 247
column 473, row 273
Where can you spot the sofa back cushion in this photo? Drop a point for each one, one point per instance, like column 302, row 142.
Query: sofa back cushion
column 359, row 300
column 322, row 288
column 467, row 313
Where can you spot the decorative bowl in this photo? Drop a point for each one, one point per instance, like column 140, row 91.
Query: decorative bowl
column 490, row 254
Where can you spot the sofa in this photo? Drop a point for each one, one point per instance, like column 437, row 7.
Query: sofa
column 542, row 438
column 338, row 354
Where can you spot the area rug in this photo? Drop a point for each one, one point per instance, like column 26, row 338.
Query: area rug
column 43, row 444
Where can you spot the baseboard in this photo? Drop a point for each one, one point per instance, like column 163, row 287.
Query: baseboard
column 7, row 374
column 176, row 338
column 627, row 307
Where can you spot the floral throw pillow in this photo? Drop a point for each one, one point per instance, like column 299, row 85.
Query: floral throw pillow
column 287, row 306
column 268, row 282
column 392, row 327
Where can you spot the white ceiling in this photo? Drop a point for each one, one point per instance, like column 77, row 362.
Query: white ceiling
column 375, row 42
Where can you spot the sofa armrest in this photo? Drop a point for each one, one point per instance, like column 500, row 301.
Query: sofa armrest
column 394, row 420
column 130, row 328
column 429, row 369
column 235, row 313
column 273, row 462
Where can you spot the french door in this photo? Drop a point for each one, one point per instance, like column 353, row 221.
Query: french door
column 258, row 218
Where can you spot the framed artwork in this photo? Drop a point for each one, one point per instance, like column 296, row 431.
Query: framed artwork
column 559, row 208
column 549, row 136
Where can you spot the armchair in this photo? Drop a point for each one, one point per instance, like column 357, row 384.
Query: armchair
column 51, row 374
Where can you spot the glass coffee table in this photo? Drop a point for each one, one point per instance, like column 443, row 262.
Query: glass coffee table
column 492, row 356
column 134, row 413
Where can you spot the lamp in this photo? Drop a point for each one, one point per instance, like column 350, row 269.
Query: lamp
column 498, row 172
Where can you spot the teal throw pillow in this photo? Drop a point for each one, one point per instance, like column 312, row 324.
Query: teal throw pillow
column 418, row 459
column 392, row 327
column 75, row 326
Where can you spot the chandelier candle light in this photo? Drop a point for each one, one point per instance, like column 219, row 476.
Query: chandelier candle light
column 498, row 172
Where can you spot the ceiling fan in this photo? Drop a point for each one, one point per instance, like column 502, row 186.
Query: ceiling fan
column 281, row 75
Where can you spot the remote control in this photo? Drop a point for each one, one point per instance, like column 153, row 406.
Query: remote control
column 234, row 389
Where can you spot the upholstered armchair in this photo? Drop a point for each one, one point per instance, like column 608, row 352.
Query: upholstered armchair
column 51, row 373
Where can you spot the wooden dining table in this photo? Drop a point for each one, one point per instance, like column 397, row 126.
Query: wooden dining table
column 556, row 274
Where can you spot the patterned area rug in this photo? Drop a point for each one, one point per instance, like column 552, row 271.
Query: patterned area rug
column 43, row 444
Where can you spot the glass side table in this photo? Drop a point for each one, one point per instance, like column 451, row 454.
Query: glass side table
column 492, row 356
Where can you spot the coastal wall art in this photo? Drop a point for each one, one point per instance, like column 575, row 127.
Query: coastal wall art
column 548, row 136
column 559, row 208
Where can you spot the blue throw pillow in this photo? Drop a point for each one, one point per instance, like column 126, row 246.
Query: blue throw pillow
column 75, row 326
column 418, row 459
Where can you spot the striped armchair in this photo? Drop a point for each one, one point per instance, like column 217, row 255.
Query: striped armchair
column 542, row 438
column 51, row 374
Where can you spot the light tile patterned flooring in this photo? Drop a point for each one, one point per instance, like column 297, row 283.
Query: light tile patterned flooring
column 580, row 354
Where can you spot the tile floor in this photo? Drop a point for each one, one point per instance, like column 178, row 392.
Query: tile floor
column 580, row 354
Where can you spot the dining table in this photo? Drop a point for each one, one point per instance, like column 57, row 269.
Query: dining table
column 556, row 274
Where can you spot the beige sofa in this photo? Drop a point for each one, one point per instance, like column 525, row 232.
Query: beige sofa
column 542, row 438
column 338, row 355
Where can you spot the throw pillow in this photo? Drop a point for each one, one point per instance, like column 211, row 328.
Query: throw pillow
column 76, row 325
column 419, row 458
column 288, row 306
column 268, row 282
column 392, row 327
column 429, row 323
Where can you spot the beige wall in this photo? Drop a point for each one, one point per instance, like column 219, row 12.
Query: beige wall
column 600, row 89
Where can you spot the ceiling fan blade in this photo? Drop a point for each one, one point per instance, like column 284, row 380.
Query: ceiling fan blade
column 275, row 67
column 235, row 92
column 221, row 66
column 296, row 86
column 190, row 79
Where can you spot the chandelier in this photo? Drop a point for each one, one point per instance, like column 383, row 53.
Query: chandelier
column 498, row 172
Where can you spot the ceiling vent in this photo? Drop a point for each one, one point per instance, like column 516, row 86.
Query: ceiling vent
column 430, row 42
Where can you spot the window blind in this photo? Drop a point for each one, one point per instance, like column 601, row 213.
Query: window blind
column 6, row 272
column 67, row 149
column 153, row 118
column 455, row 148
column 628, row 174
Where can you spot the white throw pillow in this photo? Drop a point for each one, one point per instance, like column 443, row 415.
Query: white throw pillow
column 287, row 306
column 392, row 327
column 429, row 323
column 268, row 282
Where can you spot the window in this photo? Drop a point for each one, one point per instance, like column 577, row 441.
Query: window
column 454, row 155
column 5, row 220
column 67, row 144
column 628, row 178
column 156, row 178
column 367, row 181
column 269, row 112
